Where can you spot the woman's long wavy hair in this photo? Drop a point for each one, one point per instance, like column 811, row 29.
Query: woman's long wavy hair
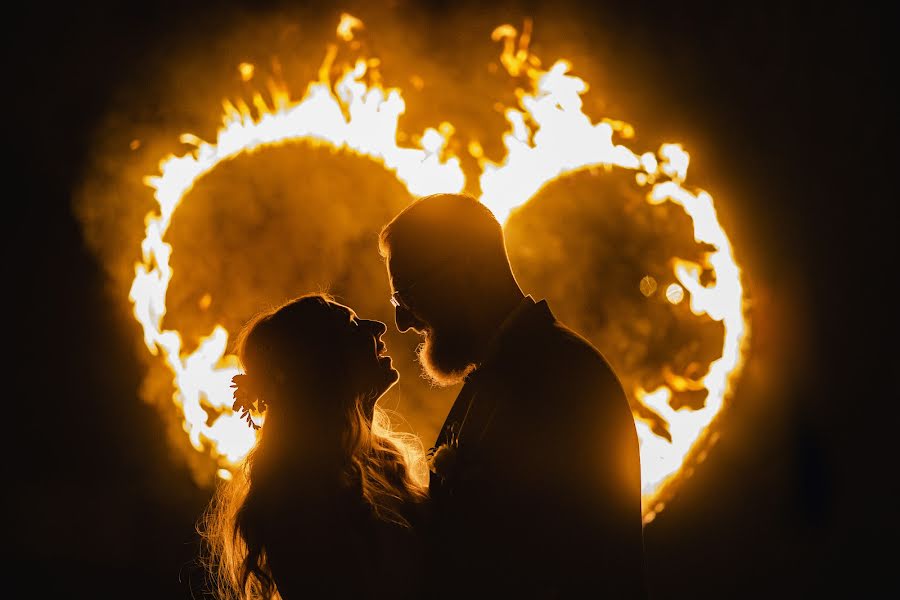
column 317, row 430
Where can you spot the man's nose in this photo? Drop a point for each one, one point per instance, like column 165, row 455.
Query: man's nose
column 404, row 319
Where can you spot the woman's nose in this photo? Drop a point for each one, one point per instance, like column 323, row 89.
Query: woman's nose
column 377, row 327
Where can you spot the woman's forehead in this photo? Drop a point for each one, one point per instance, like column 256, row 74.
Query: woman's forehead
column 344, row 311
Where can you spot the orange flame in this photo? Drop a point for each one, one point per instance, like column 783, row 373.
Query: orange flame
column 347, row 25
column 549, row 138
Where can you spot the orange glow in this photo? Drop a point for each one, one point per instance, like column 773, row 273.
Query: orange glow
column 246, row 70
column 347, row 25
column 648, row 286
column 549, row 137
column 675, row 293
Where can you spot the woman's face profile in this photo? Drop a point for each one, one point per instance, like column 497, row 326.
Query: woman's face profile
column 367, row 355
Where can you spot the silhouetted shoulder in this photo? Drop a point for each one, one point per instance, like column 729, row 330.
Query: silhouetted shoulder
column 545, row 358
column 579, row 349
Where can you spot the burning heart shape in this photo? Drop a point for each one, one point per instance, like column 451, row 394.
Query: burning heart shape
column 549, row 138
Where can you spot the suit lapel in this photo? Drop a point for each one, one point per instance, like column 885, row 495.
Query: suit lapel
column 476, row 404
column 454, row 420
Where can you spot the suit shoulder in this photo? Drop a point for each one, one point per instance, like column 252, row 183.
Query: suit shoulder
column 576, row 351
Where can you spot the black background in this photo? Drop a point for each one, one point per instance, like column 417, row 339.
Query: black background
column 96, row 511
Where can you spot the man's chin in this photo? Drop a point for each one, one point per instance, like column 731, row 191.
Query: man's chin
column 439, row 372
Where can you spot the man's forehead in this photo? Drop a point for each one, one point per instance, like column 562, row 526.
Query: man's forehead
column 399, row 271
column 407, row 269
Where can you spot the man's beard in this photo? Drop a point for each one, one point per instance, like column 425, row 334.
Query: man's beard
column 445, row 360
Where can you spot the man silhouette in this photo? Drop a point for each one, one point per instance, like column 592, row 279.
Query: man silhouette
column 536, row 473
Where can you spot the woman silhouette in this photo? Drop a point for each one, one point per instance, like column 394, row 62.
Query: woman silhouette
column 329, row 501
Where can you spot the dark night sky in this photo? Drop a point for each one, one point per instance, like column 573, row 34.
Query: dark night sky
column 791, row 509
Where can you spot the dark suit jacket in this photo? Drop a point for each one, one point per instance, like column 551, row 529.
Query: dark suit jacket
column 545, row 497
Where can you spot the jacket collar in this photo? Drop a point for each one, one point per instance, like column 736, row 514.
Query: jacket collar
column 509, row 324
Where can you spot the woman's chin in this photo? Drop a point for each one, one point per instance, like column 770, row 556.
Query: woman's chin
column 391, row 375
column 394, row 376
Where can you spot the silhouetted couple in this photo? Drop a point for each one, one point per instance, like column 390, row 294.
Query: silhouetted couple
column 534, row 480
